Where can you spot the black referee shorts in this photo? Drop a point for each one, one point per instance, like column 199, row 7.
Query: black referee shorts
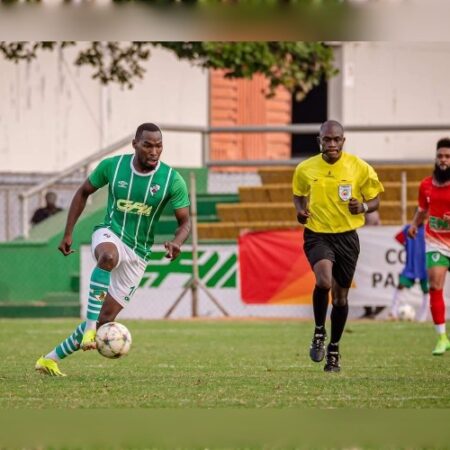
column 342, row 249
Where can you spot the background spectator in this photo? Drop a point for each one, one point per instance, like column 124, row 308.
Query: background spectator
column 50, row 208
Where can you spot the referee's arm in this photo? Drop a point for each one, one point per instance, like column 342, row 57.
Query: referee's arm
column 356, row 207
column 301, row 207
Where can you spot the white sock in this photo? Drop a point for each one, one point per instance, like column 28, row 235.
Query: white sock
column 440, row 328
column 423, row 308
column 90, row 325
column 53, row 355
column 395, row 302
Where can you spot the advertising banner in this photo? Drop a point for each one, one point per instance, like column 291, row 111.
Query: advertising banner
column 265, row 275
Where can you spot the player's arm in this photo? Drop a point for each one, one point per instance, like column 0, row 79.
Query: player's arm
column 76, row 208
column 301, row 207
column 418, row 220
column 357, row 207
column 173, row 247
column 422, row 210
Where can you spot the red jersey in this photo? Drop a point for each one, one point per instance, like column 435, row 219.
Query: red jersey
column 436, row 200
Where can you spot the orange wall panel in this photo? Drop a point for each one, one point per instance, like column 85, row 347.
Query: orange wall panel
column 243, row 102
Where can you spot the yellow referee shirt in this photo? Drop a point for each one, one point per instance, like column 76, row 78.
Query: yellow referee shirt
column 330, row 187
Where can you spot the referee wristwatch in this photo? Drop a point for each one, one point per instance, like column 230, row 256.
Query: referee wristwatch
column 365, row 207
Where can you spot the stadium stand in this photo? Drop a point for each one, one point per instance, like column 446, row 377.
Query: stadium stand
column 269, row 206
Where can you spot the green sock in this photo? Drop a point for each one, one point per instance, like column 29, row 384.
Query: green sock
column 69, row 345
column 98, row 289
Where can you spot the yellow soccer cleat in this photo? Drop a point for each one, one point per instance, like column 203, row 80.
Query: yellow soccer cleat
column 88, row 342
column 443, row 344
column 48, row 367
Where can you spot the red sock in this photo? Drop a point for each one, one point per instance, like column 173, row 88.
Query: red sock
column 437, row 306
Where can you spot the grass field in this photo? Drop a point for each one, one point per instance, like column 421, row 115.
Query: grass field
column 227, row 364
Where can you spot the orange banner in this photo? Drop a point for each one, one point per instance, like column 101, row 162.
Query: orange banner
column 274, row 269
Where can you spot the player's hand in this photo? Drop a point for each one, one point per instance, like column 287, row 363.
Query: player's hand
column 64, row 246
column 355, row 207
column 173, row 250
column 412, row 231
column 303, row 216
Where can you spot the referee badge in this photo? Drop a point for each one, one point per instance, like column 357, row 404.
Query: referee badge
column 345, row 192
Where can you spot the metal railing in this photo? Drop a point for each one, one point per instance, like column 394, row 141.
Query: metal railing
column 86, row 162
column 205, row 133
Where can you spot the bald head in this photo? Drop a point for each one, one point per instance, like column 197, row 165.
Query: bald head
column 331, row 140
column 331, row 124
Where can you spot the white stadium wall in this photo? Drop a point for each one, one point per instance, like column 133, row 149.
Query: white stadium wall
column 52, row 114
column 388, row 83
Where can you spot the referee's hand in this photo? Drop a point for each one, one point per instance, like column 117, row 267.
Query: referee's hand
column 355, row 207
column 303, row 215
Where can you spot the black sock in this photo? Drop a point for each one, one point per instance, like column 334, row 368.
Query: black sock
column 320, row 305
column 338, row 319
column 333, row 347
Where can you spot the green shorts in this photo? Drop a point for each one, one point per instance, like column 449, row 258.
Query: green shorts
column 409, row 283
column 435, row 259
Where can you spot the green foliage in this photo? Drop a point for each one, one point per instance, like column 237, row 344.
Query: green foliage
column 298, row 66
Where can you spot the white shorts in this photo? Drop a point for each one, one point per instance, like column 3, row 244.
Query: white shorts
column 127, row 275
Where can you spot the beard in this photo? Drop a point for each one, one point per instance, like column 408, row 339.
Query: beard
column 441, row 175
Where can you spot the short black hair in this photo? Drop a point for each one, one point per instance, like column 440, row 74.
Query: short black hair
column 444, row 142
column 146, row 127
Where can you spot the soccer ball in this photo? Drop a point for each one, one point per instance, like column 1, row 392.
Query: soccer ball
column 406, row 313
column 113, row 340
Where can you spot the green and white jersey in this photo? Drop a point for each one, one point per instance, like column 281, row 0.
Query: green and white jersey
column 136, row 200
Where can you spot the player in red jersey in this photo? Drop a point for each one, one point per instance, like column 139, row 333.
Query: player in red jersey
column 434, row 202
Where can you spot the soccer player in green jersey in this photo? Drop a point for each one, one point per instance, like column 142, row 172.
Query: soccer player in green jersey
column 139, row 187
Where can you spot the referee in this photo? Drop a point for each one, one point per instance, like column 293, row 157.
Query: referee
column 332, row 192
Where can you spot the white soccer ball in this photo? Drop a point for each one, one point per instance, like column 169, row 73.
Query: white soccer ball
column 406, row 313
column 113, row 340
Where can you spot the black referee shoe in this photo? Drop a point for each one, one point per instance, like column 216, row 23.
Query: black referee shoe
column 317, row 349
column 332, row 362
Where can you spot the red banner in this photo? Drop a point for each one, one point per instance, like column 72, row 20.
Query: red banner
column 274, row 269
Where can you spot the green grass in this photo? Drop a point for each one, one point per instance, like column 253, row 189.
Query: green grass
column 227, row 364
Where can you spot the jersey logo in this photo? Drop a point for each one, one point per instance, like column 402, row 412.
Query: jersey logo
column 130, row 207
column 155, row 188
column 345, row 192
column 438, row 224
column 123, row 184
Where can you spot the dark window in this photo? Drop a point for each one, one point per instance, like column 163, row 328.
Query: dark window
column 312, row 109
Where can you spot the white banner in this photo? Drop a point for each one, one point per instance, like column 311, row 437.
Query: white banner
column 380, row 262
column 164, row 281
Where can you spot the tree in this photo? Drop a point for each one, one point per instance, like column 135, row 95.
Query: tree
column 298, row 66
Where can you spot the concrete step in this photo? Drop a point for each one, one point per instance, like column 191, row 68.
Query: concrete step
column 413, row 172
column 232, row 230
column 285, row 211
column 283, row 191
column 256, row 212
column 393, row 191
column 273, row 175
column 392, row 211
